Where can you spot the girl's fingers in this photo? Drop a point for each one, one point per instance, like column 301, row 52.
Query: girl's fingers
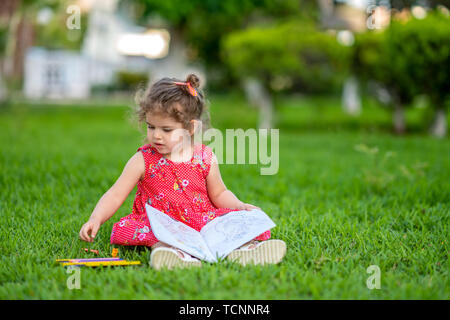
column 89, row 231
column 94, row 231
column 251, row 207
column 84, row 233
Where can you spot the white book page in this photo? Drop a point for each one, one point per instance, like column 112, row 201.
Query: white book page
column 177, row 234
column 230, row 231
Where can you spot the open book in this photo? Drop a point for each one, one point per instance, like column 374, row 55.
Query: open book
column 216, row 239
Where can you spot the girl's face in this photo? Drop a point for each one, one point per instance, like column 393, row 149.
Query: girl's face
column 164, row 132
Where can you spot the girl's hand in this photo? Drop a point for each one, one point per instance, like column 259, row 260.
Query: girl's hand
column 89, row 230
column 247, row 206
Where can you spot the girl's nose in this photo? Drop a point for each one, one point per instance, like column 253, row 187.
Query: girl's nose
column 156, row 134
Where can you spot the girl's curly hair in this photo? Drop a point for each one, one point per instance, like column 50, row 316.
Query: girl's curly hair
column 174, row 100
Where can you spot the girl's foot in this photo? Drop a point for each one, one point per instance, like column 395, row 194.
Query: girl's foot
column 170, row 257
column 254, row 252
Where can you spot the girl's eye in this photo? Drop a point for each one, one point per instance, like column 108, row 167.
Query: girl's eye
column 165, row 130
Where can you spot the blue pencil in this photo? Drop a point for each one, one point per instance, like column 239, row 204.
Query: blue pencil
column 89, row 260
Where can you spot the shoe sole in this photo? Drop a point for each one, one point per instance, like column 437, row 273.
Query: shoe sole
column 268, row 252
column 166, row 259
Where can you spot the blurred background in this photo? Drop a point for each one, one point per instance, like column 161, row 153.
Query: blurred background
column 387, row 54
column 359, row 90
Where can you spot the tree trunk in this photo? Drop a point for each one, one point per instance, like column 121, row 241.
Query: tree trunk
column 3, row 90
column 398, row 118
column 439, row 126
column 10, row 16
column 8, row 62
column 351, row 101
column 259, row 97
column 326, row 8
column 24, row 40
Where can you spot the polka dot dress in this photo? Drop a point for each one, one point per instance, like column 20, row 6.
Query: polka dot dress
column 175, row 188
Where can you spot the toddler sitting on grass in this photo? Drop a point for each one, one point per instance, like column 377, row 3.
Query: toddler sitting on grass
column 180, row 178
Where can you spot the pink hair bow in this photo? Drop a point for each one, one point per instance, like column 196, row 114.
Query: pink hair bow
column 191, row 89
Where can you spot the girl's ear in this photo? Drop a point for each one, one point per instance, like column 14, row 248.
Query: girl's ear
column 193, row 126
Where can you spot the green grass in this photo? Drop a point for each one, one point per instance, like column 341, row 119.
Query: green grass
column 348, row 195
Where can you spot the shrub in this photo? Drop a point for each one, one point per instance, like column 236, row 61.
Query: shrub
column 128, row 80
column 306, row 58
column 408, row 58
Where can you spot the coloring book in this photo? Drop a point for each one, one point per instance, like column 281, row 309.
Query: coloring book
column 216, row 239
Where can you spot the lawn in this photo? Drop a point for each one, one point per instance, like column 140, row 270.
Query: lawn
column 348, row 195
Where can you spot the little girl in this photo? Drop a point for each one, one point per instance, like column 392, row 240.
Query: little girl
column 178, row 178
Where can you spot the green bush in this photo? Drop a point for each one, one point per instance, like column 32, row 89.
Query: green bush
column 128, row 80
column 55, row 35
column 306, row 58
column 123, row 81
column 408, row 58
column 3, row 39
column 422, row 47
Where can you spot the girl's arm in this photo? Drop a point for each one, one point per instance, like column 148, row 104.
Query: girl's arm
column 111, row 201
column 218, row 193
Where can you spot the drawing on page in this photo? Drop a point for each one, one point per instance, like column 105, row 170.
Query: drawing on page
column 182, row 233
column 236, row 227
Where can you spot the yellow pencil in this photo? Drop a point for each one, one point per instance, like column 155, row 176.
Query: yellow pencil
column 101, row 263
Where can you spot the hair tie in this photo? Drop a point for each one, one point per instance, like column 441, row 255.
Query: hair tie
column 191, row 89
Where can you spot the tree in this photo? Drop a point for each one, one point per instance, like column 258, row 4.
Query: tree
column 425, row 46
column 297, row 53
column 19, row 30
column 408, row 59
column 202, row 24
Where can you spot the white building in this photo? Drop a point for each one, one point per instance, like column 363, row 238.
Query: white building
column 60, row 74
column 55, row 74
column 110, row 44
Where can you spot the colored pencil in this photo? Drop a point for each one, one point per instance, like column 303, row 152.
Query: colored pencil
column 88, row 260
column 101, row 263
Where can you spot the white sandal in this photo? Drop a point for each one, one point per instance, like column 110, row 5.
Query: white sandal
column 169, row 258
column 264, row 252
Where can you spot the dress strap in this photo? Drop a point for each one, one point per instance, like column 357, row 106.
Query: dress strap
column 206, row 157
column 149, row 153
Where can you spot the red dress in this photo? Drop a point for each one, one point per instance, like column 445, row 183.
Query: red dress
column 175, row 188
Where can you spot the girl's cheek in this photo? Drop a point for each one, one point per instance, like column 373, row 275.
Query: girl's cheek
column 174, row 138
